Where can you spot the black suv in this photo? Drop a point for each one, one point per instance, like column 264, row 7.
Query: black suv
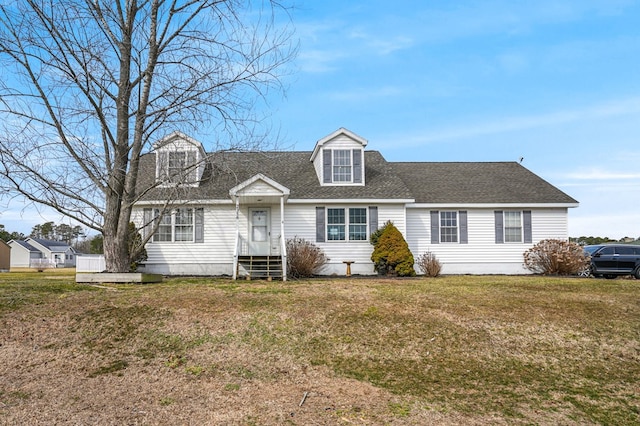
column 611, row 260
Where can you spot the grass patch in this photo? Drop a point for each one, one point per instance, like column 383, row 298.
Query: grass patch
column 510, row 349
column 114, row 367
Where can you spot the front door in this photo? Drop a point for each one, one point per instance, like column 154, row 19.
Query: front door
column 259, row 231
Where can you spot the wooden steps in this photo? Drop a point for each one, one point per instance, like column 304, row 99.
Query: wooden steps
column 260, row 267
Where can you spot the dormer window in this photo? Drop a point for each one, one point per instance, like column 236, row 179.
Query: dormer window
column 339, row 159
column 341, row 165
column 179, row 161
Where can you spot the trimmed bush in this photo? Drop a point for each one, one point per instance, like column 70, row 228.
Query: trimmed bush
column 429, row 264
column 304, row 258
column 556, row 257
column 391, row 254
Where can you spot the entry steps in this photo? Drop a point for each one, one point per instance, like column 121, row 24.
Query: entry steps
column 260, row 267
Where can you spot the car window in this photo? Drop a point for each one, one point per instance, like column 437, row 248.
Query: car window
column 607, row 250
column 625, row 250
column 591, row 249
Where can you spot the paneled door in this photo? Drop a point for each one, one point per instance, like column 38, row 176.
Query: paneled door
column 259, row 231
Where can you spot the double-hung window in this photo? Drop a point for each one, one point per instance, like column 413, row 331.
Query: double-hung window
column 448, row 227
column 342, row 165
column 512, row 227
column 177, row 162
column 177, row 226
column 339, row 220
column 357, row 224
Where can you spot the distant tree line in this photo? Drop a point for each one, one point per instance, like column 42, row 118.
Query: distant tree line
column 587, row 241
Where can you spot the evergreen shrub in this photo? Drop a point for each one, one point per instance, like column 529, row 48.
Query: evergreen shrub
column 391, row 254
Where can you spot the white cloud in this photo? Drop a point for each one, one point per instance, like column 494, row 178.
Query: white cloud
column 508, row 124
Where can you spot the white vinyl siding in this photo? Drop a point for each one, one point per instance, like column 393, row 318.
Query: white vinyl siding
column 481, row 254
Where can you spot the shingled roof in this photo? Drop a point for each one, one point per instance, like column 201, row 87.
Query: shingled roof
column 478, row 183
column 293, row 170
column 424, row 182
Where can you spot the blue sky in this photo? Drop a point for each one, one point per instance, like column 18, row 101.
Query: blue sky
column 554, row 82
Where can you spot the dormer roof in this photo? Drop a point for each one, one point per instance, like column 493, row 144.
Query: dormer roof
column 341, row 131
column 167, row 140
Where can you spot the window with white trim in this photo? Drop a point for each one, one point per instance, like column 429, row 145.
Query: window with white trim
column 177, row 162
column 177, row 226
column 512, row 227
column 342, row 165
column 338, row 222
column 448, row 227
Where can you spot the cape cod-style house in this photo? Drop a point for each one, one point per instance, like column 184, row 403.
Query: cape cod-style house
column 232, row 212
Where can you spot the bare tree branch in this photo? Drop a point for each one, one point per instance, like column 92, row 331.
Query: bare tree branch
column 89, row 85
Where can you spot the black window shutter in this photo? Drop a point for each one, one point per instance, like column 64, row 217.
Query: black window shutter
column 199, row 221
column 499, row 227
column 464, row 233
column 526, row 222
column 326, row 166
column 435, row 227
column 320, row 224
column 373, row 219
column 357, row 166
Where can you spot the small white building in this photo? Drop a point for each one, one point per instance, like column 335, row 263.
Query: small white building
column 231, row 208
column 37, row 252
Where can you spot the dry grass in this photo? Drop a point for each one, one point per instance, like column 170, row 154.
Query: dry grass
column 452, row 350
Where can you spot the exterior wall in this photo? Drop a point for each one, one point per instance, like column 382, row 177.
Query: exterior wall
column 482, row 255
column 21, row 257
column 300, row 220
column 212, row 257
column 5, row 256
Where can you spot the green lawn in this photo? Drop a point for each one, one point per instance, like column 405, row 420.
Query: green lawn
column 451, row 350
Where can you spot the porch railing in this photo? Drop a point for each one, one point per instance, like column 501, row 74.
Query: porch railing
column 277, row 247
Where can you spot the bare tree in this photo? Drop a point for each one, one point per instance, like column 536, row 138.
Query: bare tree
column 86, row 86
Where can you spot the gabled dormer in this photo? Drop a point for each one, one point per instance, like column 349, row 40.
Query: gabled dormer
column 179, row 160
column 339, row 159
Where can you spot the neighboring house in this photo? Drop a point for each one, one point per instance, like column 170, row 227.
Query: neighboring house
column 235, row 208
column 36, row 252
column 5, row 256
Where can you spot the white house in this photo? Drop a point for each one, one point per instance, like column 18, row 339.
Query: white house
column 37, row 252
column 231, row 212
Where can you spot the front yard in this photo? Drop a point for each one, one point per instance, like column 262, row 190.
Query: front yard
column 452, row 350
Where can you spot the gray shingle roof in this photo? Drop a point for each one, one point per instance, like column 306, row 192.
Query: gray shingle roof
column 505, row 182
column 52, row 245
column 25, row 245
column 455, row 183
column 293, row 170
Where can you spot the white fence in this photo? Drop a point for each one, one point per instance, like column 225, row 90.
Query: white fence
column 90, row 264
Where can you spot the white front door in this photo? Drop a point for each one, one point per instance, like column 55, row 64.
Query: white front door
column 259, row 231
